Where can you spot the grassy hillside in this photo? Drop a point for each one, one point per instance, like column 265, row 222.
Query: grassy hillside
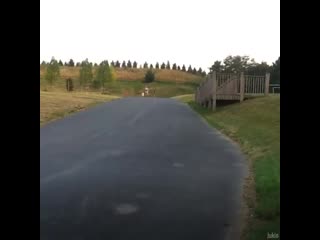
column 54, row 105
column 129, row 81
column 255, row 125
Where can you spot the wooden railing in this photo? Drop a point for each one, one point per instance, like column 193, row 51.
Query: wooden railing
column 230, row 86
column 256, row 85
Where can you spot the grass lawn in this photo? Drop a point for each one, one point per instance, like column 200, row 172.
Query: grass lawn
column 55, row 105
column 255, row 125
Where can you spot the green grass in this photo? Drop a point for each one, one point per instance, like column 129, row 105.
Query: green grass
column 255, row 125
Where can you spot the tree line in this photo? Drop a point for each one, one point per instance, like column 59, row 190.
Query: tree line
column 104, row 74
column 134, row 64
column 105, row 71
column 237, row 64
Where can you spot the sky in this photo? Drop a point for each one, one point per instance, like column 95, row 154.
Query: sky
column 190, row 32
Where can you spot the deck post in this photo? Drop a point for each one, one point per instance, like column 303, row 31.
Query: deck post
column 267, row 80
column 214, row 90
column 242, row 86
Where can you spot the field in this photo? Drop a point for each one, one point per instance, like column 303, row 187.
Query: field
column 55, row 105
column 255, row 125
column 129, row 82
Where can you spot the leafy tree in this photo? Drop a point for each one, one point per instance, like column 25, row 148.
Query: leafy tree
column 163, row 66
column 117, row 64
column 86, row 74
column 52, row 72
column 236, row 64
column 78, row 64
column 113, row 64
column 123, row 64
column 95, row 64
column 183, row 68
column 43, row 63
column 157, row 65
column 105, row 74
column 200, row 71
column 275, row 72
column 258, row 68
column 60, row 63
column 189, row 69
column 179, row 68
column 151, row 66
column 104, row 62
column 217, row 66
column 145, row 65
column 149, row 76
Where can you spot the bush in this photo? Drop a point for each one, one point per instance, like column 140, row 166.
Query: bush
column 149, row 77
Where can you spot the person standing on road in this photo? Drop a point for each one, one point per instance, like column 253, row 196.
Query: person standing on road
column 146, row 90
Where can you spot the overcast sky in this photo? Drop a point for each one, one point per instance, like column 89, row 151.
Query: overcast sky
column 195, row 32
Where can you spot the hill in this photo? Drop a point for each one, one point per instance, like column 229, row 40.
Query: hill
column 129, row 81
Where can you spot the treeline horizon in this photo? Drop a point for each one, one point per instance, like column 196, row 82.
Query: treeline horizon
column 133, row 65
column 238, row 64
column 231, row 64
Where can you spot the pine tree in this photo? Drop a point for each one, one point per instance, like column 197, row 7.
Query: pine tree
column 174, row 66
column 135, row 64
column 168, row 65
column 194, row 71
column 71, row 63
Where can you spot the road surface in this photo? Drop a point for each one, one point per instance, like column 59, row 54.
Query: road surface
column 138, row 168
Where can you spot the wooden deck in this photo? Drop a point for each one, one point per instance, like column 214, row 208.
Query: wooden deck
column 230, row 86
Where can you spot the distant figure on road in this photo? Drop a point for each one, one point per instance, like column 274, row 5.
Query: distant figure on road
column 146, row 91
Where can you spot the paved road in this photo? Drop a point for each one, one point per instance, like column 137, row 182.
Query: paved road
column 137, row 168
